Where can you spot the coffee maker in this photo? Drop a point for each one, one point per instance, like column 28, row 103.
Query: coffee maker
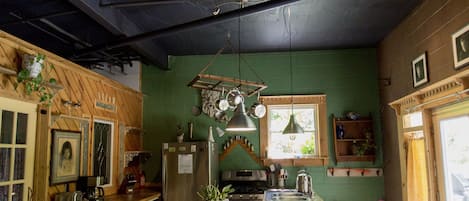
column 89, row 186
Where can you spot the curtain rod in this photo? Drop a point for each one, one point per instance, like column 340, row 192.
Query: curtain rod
column 438, row 99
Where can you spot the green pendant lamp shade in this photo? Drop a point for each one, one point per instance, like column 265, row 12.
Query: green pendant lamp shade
column 240, row 122
column 292, row 127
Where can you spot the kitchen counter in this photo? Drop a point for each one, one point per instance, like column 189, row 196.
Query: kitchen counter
column 137, row 195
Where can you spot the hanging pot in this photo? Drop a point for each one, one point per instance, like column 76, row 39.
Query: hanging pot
column 33, row 64
column 222, row 104
column 220, row 116
column 234, row 97
column 257, row 110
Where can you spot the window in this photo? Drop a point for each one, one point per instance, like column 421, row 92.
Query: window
column 309, row 148
column 416, row 160
column 103, row 137
column 292, row 146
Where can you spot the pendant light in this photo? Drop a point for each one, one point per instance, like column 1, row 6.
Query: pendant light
column 240, row 122
column 292, row 127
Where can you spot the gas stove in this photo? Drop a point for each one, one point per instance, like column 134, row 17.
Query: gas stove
column 249, row 185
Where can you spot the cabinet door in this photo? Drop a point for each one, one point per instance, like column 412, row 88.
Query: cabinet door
column 17, row 140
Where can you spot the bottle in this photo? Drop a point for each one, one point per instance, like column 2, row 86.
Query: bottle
column 142, row 179
column 210, row 134
column 340, row 132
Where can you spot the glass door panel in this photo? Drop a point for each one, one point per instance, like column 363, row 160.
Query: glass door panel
column 5, row 155
column 21, row 128
column 20, row 154
column 17, row 194
column 3, row 193
column 455, row 156
column 6, row 130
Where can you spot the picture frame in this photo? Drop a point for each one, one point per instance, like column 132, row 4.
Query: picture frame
column 65, row 163
column 460, row 41
column 419, row 70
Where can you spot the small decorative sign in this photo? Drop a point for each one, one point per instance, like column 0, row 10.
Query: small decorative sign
column 106, row 102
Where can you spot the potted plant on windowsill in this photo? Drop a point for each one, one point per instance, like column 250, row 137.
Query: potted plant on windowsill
column 32, row 78
column 212, row 193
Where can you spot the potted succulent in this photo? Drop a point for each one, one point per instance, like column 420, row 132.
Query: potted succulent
column 32, row 78
column 212, row 193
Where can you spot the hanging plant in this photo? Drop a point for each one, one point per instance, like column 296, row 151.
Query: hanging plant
column 32, row 78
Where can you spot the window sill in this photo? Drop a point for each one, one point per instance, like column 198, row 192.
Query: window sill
column 317, row 161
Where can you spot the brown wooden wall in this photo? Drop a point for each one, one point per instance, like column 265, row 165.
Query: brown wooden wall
column 428, row 28
column 79, row 85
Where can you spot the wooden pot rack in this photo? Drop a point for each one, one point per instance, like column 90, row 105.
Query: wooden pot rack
column 220, row 83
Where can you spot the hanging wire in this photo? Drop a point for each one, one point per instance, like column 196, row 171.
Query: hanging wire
column 291, row 66
column 239, row 47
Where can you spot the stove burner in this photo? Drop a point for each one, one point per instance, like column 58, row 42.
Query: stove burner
column 249, row 185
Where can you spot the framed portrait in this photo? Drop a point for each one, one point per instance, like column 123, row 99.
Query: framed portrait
column 419, row 70
column 65, row 157
column 461, row 47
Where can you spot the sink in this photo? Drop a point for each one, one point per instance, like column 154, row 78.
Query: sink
column 287, row 195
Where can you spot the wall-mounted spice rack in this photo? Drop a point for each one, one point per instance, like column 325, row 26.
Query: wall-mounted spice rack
column 244, row 143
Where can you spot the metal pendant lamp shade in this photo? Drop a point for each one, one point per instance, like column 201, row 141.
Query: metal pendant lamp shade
column 240, row 122
column 292, row 127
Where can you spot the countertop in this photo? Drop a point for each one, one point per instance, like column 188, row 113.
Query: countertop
column 137, row 195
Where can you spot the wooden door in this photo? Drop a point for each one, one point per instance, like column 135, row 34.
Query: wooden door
column 17, row 140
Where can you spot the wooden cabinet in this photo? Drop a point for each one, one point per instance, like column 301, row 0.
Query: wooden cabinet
column 353, row 139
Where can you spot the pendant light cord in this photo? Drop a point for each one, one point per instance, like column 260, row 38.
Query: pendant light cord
column 291, row 66
column 239, row 46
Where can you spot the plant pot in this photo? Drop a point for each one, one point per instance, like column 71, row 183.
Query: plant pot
column 33, row 64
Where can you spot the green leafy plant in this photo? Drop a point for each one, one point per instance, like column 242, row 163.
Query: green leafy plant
column 36, row 84
column 212, row 193
column 308, row 147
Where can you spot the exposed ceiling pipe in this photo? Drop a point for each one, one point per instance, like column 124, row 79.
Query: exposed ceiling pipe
column 186, row 26
column 49, row 15
column 80, row 42
column 140, row 3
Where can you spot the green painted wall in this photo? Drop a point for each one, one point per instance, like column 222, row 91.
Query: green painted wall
column 347, row 77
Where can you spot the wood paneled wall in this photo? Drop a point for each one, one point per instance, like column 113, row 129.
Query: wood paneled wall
column 427, row 29
column 79, row 85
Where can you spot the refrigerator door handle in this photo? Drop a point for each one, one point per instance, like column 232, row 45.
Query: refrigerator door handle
column 165, row 193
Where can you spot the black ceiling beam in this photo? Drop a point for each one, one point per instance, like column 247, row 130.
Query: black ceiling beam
column 186, row 26
column 140, row 3
column 49, row 15
column 117, row 23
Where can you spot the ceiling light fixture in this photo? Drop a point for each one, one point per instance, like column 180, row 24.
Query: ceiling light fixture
column 292, row 127
column 240, row 122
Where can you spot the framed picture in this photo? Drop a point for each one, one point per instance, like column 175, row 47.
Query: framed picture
column 419, row 70
column 461, row 47
column 65, row 165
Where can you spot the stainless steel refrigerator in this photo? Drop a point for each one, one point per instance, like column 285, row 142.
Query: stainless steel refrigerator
column 187, row 167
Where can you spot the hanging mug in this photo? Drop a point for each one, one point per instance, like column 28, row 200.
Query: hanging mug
column 258, row 109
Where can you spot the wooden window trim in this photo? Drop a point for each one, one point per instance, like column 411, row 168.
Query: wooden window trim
column 323, row 156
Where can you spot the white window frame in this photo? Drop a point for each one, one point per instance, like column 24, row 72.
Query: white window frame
column 110, row 147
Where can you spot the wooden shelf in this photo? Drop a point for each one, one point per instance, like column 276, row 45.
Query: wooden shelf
column 346, row 158
column 351, row 140
column 348, row 121
column 358, row 137
column 242, row 145
column 132, row 155
column 7, row 71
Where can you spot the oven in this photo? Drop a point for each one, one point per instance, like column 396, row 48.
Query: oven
column 249, row 185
